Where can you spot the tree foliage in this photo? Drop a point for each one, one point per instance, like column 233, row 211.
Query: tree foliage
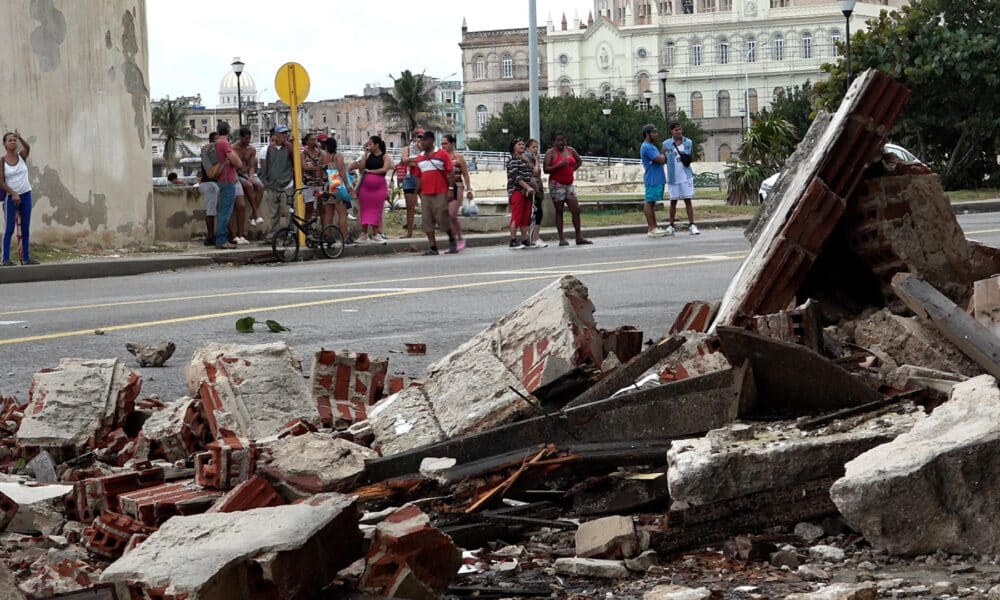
column 946, row 53
column 410, row 105
column 768, row 143
column 796, row 106
column 585, row 125
column 171, row 117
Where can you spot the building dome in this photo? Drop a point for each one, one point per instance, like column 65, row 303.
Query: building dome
column 227, row 89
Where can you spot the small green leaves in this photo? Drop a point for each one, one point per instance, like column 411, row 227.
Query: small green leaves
column 245, row 325
column 275, row 326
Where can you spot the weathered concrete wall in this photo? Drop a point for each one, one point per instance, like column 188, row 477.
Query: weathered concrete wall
column 77, row 87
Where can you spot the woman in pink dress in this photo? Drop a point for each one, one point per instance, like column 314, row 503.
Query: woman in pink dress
column 373, row 189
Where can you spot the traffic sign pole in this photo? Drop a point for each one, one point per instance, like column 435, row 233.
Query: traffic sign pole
column 292, row 85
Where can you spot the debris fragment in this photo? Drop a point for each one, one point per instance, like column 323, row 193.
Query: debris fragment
column 152, row 355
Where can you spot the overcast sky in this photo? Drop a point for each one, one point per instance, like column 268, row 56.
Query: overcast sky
column 343, row 45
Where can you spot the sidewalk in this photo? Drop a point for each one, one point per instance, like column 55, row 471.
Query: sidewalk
column 199, row 256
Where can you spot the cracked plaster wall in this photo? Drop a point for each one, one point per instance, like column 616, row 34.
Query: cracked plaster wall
column 78, row 90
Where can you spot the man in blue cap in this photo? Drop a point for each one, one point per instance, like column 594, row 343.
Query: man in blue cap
column 277, row 174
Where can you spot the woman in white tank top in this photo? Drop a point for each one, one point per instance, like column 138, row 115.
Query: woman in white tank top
column 15, row 187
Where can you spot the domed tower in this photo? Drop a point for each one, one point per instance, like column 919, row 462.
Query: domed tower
column 227, row 89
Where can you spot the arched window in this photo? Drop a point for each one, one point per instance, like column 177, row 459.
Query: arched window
column 750, row 50
column 666, row 7
column 621, row 94
column 778, row 47
column 606, row 93
column 752, row 94
column 507, row 66
column 807, row 45
column 643, row 82
column 778, row 92
column 696, row 54
column 722, row 103
column 697, row 106
column 482, row 116
column 723, row 54
column 671, row 104
column 479, row 68
column 834, row 42
column 565, row 87
column 669, row 54
column 725, row 153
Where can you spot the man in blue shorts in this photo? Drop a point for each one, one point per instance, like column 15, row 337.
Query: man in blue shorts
column 653, row 177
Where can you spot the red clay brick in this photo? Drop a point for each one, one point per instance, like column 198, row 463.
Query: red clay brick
column 255, row 492
column 155, row 505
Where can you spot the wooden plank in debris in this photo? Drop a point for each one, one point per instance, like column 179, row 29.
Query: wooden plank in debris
column 986, row 303
column 627, row 373
column 976, row 341
column 810, row 198
column 792, row 380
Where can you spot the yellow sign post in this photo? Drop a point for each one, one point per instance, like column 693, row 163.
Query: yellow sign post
column 291, row 82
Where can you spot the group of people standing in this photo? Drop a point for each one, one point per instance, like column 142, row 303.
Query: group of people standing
column 667, row 167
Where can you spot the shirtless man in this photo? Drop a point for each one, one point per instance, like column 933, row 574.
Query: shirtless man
column 253, row 188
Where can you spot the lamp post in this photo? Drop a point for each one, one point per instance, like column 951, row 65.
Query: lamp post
column 847, row 7
column 648, row 97
column 506, row 141
column 607, row 137
column 238, row 69
column 746, row 90
column 662, row 74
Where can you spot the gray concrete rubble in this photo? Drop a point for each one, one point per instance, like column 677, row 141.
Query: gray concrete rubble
column 932, row 488
column 909, row 341
column 730, row 462
column 840, row 591
column 547, row 337
column 592, row 567
column 172, row 433
column 316, row 462
column 291, row 551
column 608, row 537
column 677, row 592
column 77, row 402
column 151, row 355
column 39, row 507
column 250, row 390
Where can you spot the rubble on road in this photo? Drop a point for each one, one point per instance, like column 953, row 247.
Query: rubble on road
column 824, row 430
column 151, row 355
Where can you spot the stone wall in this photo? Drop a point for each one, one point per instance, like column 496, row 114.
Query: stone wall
column 78, row 90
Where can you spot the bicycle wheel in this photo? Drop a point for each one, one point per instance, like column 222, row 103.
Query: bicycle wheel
column 332, row 241
column 285, row 245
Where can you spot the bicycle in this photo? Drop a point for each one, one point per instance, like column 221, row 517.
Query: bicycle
column 285, row 243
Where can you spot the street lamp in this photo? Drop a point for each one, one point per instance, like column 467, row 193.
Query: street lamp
column 648, row 97
column 238, row 69
column 607, row 137
column 847, row 7
column 506, row 141
column 662, row 74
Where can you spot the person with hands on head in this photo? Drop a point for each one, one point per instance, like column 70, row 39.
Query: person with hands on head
column 520, row 194
column 561, row 163
column 16, row 187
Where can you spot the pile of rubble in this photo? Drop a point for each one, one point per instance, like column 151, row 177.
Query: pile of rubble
column 828, row 430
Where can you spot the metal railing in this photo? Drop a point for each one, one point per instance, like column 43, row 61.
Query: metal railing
column 485, row 158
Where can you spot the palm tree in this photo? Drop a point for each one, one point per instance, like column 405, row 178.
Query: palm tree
column 171, row 117
column 411, row 104
column 769, row 141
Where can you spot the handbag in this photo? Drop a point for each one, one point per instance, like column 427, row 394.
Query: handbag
column 336, row 184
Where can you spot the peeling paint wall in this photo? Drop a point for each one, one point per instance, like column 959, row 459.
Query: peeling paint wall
column 77, row 87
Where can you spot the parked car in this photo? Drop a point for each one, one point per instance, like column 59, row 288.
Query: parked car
column 900, row 152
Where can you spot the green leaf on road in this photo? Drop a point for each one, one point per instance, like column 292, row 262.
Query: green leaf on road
column 275, row 326
column 245, row 325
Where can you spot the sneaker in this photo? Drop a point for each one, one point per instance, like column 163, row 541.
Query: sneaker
column 452, row 248
column 563, row 243
column 525, row 243
column 363, row 239
column 670, row 230
column 7, row 263
column 461, row 245
column 209, row 241
column 540, row 244
column 656, row 232
column 431, row 252
column 583, row 242
column 351, row 217
column 693, row 230
column 259, row 221
column 240, row 241
column 350, row 242
column 382, row 238
column 31, row 261
column 515, row 245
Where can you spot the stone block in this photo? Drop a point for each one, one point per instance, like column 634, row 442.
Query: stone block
column 840, row 591
column 226, row 463
column 255, row 492
column 592, row 567
column 316, row 462
column 73, row 406
column 249, row 390
column 409, row 558
column 608, row 537
column 152, row 506
column 717, row 467
column 93, row 495
column 344, row 384
column 292, row 551
column 174, row 433
column 404, row 421
column 933, row 488
column 36, row 508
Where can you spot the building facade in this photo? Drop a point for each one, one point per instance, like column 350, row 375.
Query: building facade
column 495, row 72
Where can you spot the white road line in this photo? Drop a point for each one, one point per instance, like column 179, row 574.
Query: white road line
column 12, row 322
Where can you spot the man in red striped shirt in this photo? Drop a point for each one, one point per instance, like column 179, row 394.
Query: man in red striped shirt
column 436, row 178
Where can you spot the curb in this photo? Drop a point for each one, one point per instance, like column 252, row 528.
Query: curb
column 100, row 268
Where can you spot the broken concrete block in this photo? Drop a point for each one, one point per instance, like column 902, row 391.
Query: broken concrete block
column 609, row 537
column 38, row 507
column 985, row 304
column 317, row 462
column 696, row 316
column 174, row 433
column 809, row 532
column 91, row 496
column 710, row 469
column 111, row 533
column 826, row 553
column 155, row 505
column 226, row 463
column 292, row 551
column 801, row 325
column 840, row 591
column 8, row 585
column 344, row 384
column 404, row 421
column 677, row 592
column 43, row 468
column 909, row 341
column 409, row 558
column 932, row 488
column 643, row 562
column 249, row 390
column 76, row 404
column 152, row 355
column 591, row 567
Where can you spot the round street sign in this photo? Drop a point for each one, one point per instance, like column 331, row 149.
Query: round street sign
column 292, row 80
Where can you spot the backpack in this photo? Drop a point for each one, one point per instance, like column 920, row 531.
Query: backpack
column 210, row 162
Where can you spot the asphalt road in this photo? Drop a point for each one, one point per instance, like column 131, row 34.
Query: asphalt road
column 374, row 304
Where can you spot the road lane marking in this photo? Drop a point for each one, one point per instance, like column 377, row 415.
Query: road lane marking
column 12, row 322
column 331, row 290
column 558, row 268
column 328, row 301
column 968, row 233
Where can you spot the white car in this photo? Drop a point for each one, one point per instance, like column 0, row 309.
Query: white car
column 901, row 153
